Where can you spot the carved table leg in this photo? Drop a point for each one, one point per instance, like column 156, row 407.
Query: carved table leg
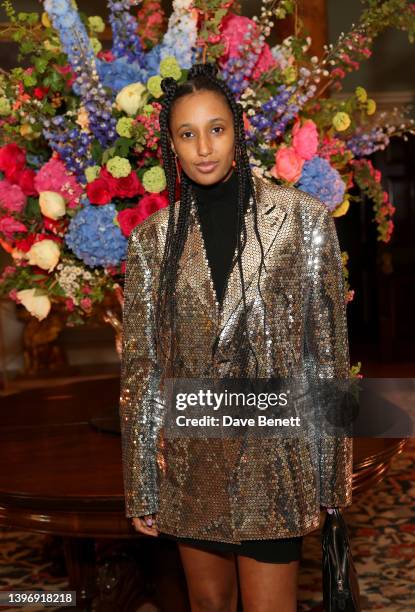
column 80, row 565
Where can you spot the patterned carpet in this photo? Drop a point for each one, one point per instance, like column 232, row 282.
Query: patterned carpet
column 382, row 531
column 381, row 523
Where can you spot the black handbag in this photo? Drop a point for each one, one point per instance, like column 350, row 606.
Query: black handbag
column 340, row 584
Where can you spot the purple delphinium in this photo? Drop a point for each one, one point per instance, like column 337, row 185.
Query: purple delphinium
column 125, row 40
column 364, row 144
column 76, row 45
column 72, row 144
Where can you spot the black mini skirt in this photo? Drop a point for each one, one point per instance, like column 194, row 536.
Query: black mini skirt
column 280, row 550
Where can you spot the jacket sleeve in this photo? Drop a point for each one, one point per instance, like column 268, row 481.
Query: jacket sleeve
column 140, row 407
column 327, row 355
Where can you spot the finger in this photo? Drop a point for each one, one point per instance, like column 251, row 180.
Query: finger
column 143, row 528
column 148, row 531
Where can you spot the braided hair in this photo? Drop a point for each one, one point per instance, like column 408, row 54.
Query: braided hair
column 200, row 77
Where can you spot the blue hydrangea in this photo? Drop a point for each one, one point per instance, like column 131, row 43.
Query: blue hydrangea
column 94, row 238
column 322, row 181
column 152, row 60
column 120, row 72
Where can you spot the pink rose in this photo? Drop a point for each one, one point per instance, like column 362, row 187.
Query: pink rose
column 12, row 197
column 70, row 304
column 54, row 176
column 86, row 303
column 288, row 165
column 8, row 227
column 305, row 139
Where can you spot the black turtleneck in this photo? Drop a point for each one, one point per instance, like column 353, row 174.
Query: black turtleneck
column 217, row 207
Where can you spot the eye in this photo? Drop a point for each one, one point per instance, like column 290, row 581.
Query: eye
column 183, row 135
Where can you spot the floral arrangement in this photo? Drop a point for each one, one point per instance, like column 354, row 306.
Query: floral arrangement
column 80, row 161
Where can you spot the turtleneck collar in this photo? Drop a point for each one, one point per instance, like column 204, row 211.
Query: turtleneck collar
column 218, row 194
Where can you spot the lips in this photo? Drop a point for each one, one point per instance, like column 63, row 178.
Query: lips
column 206, row 167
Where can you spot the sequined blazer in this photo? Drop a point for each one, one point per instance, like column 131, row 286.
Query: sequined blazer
column 277, row 486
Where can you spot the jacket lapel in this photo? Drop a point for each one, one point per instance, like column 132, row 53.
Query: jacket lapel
column 195, row 266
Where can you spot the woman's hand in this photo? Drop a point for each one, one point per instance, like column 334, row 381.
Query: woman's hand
column 145, row 524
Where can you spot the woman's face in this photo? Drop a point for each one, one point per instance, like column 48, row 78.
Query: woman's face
column 202, row 132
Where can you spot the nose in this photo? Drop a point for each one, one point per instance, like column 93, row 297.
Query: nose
column 204, row 146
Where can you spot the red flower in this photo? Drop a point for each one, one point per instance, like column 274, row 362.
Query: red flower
column 25, row 243
column 55, row 226
column 70, row 304
column 66, row 70
column 106, row 55
column 12, row 160
column 40, row 92
column 26, row 180
column 98, row 192
column 131, row 217
column 125, row 187
column 43, row 236
column 129, row 186
column 109, row 179
column 86, row 303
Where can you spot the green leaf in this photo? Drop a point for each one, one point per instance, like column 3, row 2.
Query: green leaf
column 32, row 18
column 122, row 146
column 96, row 151
column 220, row 13
column 32, row 208
column 107, row 154
column 29, row 80
column 41, row 64
column 55, row 81
column 27, row 47
column 18, row 35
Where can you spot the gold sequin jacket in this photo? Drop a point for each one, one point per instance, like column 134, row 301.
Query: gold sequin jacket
column 196, row 487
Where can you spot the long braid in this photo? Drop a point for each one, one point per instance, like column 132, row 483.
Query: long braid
column 200, row 77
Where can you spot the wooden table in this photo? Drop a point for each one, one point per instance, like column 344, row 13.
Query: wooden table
column 62, row 476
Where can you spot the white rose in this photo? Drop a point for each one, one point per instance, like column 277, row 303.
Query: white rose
column 37, row 305
column 131, row 97
column 182, row 5
column 52, row 204
column 44, row 254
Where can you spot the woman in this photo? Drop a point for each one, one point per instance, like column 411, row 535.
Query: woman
column 238, row 278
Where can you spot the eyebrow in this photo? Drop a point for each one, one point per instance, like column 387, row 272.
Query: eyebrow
column 190, row 125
